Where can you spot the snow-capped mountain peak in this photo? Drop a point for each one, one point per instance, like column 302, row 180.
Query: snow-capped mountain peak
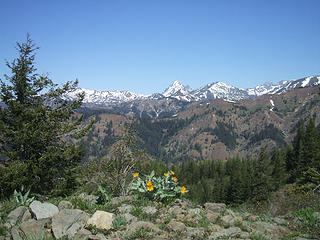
column 183, row 93
column 179, row 91
column 175, row 87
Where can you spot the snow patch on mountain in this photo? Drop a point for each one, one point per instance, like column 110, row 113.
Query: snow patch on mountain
column 183, row 93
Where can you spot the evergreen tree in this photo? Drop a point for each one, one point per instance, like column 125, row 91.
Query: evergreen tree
column 35, row 128
column 262, row 184
column 294, row 160
column 279, row 173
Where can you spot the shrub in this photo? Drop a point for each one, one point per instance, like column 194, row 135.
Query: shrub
column 158, row 188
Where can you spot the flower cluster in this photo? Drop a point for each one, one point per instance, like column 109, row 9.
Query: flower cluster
column 158, row 188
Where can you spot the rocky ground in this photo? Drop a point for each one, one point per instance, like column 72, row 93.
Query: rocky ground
column 129, row 218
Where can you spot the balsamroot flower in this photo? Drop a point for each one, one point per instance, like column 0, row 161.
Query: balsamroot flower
column 172, row 172
column 135, row 175
column 150, row 186
column 183, row 190
column 175, row 179
column 166, row 175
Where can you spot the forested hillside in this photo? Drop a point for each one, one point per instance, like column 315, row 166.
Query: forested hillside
column 214, row 130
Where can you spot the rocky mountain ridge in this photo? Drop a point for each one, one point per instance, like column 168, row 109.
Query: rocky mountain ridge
column 216, row 90
column 124, row 219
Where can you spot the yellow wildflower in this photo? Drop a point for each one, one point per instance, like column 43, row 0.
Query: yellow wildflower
column 135, row 175
column 150, row 186
column 166, row 175
column 183, row 189
column 172, row 172
column 175, row 179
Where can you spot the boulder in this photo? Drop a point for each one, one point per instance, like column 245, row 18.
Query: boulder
column 101, row 220
column 194, row 233
column 149, row 210
column 15, row 233
column 67, row 222
column 26, row 216
column 35, row 228
column 89, row 198
column 129, row 218
column 119, row 200
column 148, row 226
column 16, row 215
column 82, row 234
column 65, row 205
column 215, row 207
column 212, row 216
column 229, row 233
column 43, row 210
column 175, row 226
column 125, row 208
column 228, row 221
column 97, row 237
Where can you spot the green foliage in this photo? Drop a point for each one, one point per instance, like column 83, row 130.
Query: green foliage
column 224, row 133
column 155, row 134
column 3, row 230
column 104, row 197
column 158, row 188
column 119, row 223
column 36, row 128
column 303, row 160
column 114, row 172
column 270, row 132
column 22, row 200
column 84, row 205
column 262, row 170
column 309, row 222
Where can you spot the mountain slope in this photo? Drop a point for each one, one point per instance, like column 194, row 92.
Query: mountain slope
column 218, row 129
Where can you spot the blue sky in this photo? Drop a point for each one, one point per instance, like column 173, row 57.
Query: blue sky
column 145, row 45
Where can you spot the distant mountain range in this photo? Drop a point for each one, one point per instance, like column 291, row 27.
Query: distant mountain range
column 177, row 91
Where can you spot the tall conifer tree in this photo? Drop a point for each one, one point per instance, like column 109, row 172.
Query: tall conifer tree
column 35, row 127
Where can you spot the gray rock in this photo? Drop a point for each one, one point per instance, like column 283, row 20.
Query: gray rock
column 15, row 233
column 97, row 237
column 176, row 210
column 212, row 216
column 194, row 211
column 26, row 216
column 89, row 198
column 101, row 220
column 43, row 210
column 149, row 210
column 233, row 232
column 67, row 221
column 194, row 233
column 16, row 215
column 35, row 228
column 216, row 228
column 125, row 208
column 82, row 234
column 175, row 226
column 228, row 221
column 244, row 235
column 129, row 218
column 280, row 221
column 220, row 207
column 230, row 233
column 119, row 200
column 272, row 230
column 65, row 205
column 148, row 226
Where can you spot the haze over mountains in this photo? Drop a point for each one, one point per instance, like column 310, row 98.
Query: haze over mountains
column 177, row 91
